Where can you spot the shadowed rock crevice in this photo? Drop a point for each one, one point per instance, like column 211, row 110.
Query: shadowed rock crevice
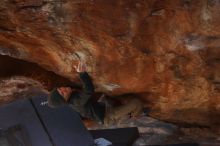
column 16, row 67
column 21, row 79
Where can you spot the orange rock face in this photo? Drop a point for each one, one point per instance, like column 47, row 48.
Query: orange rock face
column 167, row 51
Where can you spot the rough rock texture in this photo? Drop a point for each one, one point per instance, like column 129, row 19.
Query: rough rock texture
column 15, row 67
column 19, row 87
column 152, row 131
column 167, row 51
column 155, row 132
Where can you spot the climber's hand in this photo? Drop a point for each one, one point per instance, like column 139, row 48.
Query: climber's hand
column 81, row 67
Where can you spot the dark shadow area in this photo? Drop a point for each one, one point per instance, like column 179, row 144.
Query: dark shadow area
column 14, row 136
column 15, row 67
column 183, row 144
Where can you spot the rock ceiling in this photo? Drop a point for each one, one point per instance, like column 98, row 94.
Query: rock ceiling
column 166, row 51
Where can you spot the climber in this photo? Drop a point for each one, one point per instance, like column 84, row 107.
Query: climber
column 81, row 101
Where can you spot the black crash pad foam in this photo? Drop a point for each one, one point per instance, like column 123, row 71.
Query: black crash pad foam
column 120, row 136
column 182, row 144
column 63, row 125
column 22, row 113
